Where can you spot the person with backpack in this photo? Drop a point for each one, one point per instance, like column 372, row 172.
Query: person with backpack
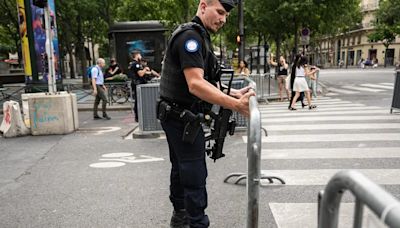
column 99, row 89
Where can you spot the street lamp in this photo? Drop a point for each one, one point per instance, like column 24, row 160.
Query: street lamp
column 241, row 30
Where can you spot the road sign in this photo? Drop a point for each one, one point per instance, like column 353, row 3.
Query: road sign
column 305, row 36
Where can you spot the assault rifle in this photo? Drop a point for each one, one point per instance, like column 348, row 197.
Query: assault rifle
column 222, row 124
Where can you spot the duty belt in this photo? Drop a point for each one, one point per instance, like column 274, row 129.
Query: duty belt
column 192, row 122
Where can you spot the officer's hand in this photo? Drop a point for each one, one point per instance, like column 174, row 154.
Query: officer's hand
column 244, row 103
column 239, row 93
column 244, row 90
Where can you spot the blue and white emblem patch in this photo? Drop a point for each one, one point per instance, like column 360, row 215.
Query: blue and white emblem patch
column 192, row 45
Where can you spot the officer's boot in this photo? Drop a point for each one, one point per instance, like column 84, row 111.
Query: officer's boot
column 179, row 219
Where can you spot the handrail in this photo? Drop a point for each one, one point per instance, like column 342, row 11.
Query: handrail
column 253, row 161
column 383, row 204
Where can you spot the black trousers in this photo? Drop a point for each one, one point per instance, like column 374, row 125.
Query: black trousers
column 188, row 173
column 101, row 95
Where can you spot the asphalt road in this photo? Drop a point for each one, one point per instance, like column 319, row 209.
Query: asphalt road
column 97, row 177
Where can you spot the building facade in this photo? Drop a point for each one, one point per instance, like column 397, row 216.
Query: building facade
column 348, row 49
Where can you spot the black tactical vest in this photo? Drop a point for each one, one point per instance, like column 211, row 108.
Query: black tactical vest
column 173, row 85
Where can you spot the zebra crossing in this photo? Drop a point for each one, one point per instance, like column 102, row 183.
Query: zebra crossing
column 338, row 130
column 356, row 89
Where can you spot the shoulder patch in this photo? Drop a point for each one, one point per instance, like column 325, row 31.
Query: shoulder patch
column 192, row 45
column 137, row 65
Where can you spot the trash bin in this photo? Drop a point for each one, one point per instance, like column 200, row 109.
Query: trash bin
column 147, row 95
column 396, row 92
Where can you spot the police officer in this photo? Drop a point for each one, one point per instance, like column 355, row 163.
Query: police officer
column 189, row 82
column 138, row 73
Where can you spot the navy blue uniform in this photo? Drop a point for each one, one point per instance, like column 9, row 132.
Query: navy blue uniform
column 189, row 47
column 134, row 67
column 189, row 170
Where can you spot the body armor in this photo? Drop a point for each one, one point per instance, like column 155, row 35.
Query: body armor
column 173, row 85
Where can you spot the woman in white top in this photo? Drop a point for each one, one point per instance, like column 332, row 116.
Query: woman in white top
column 300, row 83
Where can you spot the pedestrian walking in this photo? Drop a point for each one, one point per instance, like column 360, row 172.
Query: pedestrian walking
column 300, row 83
column 292, row 78
column 99, row 89
column 187, row 88
column 282, row 68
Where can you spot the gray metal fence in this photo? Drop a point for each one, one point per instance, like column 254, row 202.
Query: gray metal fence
column 265, row 86
column 367, row 193
column 253, row 163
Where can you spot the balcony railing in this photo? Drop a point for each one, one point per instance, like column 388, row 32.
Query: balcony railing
column 370, row 6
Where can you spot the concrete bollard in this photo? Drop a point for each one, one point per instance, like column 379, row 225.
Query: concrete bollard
column 12, row 124
column 53, row 114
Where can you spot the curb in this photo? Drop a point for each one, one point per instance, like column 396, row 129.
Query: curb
column 109, row 108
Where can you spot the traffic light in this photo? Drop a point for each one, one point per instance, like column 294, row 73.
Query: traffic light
column 40, row 3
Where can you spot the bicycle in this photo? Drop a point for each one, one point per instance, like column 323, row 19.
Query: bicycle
column 120, row 93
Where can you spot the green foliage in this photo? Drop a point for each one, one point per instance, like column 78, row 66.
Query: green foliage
column 272, row 20
column 282, row 20
column 388, row 22
column 9, row 37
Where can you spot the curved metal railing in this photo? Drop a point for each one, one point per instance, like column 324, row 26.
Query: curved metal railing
column 253, row 161
column 379, row 201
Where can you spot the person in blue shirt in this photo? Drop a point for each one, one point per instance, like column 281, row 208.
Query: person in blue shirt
column 99, row 89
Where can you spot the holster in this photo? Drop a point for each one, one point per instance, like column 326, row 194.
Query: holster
column 191, row 121
column 163, row 109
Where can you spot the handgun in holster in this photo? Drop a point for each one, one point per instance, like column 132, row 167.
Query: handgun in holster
column 163, row 109
column 192, row 125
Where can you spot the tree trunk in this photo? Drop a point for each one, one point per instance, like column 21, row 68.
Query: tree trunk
column 81, row 50
column 266, row 66
column 278, row 48
column 71, row 62
column 258, row 53
column 296, row 38
column 278, row 53
column 385, row 58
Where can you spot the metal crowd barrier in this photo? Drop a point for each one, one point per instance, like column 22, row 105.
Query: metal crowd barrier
column 253, row 176
column 264, row 85
column 379, row 201
column 253, row 163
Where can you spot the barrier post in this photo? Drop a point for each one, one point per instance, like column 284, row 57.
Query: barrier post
column 253, row 163
column 367, row 193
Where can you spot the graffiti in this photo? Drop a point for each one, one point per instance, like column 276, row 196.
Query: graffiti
column 7, row 115
column 41, row 114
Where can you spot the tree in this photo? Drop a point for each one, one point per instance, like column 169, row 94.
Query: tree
column 9, row 27
column 387, row 25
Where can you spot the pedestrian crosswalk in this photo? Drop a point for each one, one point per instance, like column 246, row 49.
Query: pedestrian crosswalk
column 361, row 88
column 338, row 130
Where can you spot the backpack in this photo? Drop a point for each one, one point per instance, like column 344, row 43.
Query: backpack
column 89, row 72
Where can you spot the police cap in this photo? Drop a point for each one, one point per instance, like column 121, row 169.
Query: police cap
column 227, row 4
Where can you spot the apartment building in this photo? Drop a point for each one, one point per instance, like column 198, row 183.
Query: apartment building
column 350, row 47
